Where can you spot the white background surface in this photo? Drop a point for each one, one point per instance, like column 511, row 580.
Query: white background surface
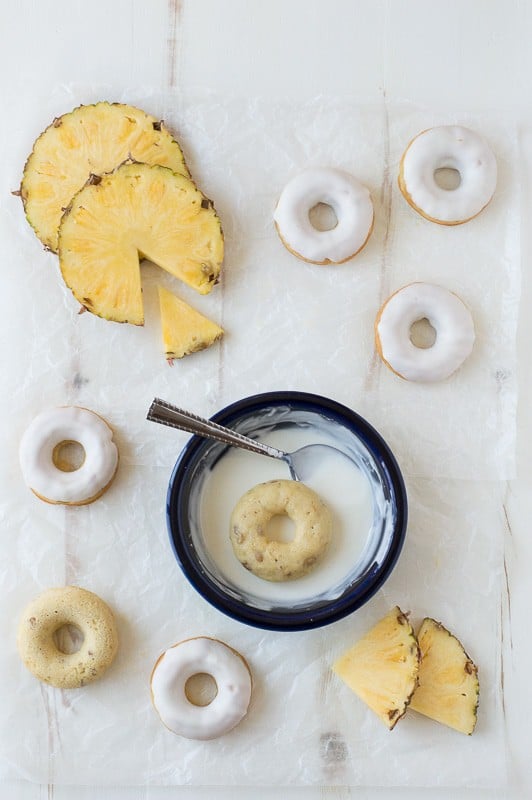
column 468, row 55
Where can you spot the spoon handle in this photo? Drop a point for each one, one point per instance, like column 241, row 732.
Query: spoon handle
column 165, row 414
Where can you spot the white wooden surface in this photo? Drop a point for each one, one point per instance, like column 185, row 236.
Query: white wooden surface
column 455, row 54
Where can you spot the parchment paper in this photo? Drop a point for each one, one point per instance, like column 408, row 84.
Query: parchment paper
column 290, row 325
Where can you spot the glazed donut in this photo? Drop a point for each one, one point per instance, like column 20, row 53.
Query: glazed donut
column 192, row 657
column 49, row 612
column 454, row 147
column 448, row 315
column 268, row 558
column 39, row 447
column 350, row 201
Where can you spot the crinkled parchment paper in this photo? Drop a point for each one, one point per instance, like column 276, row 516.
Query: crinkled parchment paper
column 290, row 325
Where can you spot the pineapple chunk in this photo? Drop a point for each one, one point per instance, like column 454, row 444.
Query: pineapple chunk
column 89, row 140
column 448, row 680
column 137, row 211
column 184, row 329
column 382, row 667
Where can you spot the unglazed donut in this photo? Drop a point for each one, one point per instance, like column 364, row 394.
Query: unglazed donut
column 49, row 612
column 351, row 203
column 453, row 147
column 68, row 424
column 270, row 559
column 448, row 315
column 201, row 655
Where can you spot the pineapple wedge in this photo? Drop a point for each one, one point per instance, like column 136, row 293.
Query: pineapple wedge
column 382, row 667
column 184, row 329
column 137, row 211
column 89, row 140
column 448, row 688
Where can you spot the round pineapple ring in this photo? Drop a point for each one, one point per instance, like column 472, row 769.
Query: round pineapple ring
column 54, row 610
column 345, row 195
column 56, row 476
column 274, row 560
column 201, row 656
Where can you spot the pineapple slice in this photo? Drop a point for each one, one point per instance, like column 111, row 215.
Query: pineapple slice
column 382, row 667
column 137, row 211
column 89, row 140
column 448, row 680
column 184, row 329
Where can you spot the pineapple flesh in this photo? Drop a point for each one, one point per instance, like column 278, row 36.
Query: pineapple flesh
column 448, row 688
column 184, row 329
column 89, row 140
column 137, row 211
column 382, row 667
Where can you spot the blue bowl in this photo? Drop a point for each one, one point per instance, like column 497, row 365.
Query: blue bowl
column 255, row 416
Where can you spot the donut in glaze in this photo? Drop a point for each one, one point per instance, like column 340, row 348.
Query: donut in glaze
column 351, row 203
column 190, row 657
column 451, row 147
column 38, row 447
column 268, row 558
column 448, row 315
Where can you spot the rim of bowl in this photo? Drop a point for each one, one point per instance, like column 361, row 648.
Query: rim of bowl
column 305, row 618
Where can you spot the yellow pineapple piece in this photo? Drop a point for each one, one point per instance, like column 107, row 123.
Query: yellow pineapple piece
column 184, row 329
column 382, row 667
column 448, row 688
column 89, row 140
column 137, row 211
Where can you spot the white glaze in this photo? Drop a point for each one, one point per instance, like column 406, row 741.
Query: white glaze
column 448, row 315
column 350, row 201
column 457, row 148
column 68, row 423
column 346, row 490
column 192, row 657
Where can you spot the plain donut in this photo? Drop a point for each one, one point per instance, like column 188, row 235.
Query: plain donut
column 50, row 611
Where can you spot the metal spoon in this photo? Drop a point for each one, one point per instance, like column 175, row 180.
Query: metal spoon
column 301, row 463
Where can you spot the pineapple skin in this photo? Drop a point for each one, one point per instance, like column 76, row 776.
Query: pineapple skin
column 75, row 139
column 458, row 708
column 184, row 330
column 104, row 214
column 361, row 667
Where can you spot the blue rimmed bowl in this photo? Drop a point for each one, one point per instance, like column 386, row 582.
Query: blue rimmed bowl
column 261, row 415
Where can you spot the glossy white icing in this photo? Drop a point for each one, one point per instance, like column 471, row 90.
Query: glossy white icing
column 350, row 201
column 454, row 147
column 448, row 315
column 193, row 657
column 68, row 424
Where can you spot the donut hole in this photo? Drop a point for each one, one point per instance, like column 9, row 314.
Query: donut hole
column 68, row 456
column 280, row 528
column 68, row 638
column 447, row 178
column 201, row 689
column 422, row 334
column 323, row 217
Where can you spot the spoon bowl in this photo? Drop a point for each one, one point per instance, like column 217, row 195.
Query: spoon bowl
column 301, row 462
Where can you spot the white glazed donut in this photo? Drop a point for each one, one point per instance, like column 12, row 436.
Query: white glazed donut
column 50, row 429
column 448, row 315
column 350, row 201
column 193, row 657
column 454, row 147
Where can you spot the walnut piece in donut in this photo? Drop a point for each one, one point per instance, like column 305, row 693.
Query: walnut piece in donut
column 270, row 559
